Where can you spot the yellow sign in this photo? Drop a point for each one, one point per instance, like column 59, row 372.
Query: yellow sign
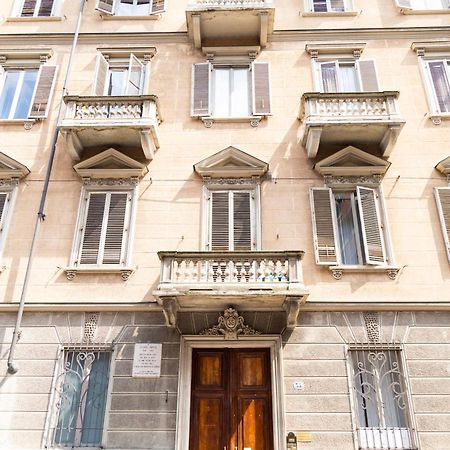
column 304, row 436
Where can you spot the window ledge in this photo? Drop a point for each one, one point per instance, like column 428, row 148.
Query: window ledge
column 27, row 123
column 253, row 120
column 424, row 11
column 146, row 17
column 338, row 271
column 125, row 272
column 437, row 118
column 329, row 13
column 35, row 19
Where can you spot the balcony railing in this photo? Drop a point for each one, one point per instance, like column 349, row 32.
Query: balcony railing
column 111, row 120
column 374, row 118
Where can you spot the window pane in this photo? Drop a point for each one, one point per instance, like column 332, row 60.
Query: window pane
column 348, row 78
column 117, row 80
column 441, row 84
column 9, row 89
column 133, row 8
column 221, row 92
column 320, row 5
column 239, row 93
column 26, row 94
column 427, row 4
column 329, row 79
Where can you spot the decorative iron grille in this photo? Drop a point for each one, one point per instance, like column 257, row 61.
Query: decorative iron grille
column 81, row 391
column 381, row 399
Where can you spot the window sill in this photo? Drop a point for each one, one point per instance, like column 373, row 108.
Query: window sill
column 329, row 13
column 253, row 120
column 35, row 19
column 125, row 272
column 437, row 118
column 423, row 11
column 27, row 123
column 105, row 16
column 338, row 271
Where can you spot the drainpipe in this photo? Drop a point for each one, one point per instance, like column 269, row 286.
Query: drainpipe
column 12, row 368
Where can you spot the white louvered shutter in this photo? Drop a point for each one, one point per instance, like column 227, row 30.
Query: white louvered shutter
column 261, row 88
column 28, row 8
column 368, row 74
column 201, row 81
column 43, row 92
column 135, row 76
column 323, row 220
column 443, row 205
column 219, row 221
column 404, row 4
column 371, row 226
column 242, row 221
column 3, row 203
column 157, row 6
column 106, row 6
column 101, row 72
column 46, row 8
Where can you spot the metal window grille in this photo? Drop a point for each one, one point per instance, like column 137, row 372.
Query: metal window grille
column 81, row 392
column 381, row 399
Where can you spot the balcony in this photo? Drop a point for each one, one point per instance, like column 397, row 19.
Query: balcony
column 213, row 23
column 92, row 122
column 250, row 281
column 357, row 118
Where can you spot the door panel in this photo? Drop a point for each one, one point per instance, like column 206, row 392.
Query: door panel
column 231, row 406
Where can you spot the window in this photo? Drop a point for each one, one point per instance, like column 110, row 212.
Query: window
column 119, row 76
column 221, row 90
column 438, row 73
column 346, row 76
column 329, row 5
column 380, row 399
column 231, row 220
column 443, row 204
column 5, row 202
column 81, row 398
column 423, row 4
column 36, row 8
column 26, row 93
column 131, row 7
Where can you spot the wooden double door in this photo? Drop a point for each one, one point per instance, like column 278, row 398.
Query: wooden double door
column 231, row 404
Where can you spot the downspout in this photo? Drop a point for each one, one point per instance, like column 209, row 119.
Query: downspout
column 12, row 368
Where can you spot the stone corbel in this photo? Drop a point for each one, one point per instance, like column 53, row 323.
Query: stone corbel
column 313, row 135
column 170, row 308
column 292, row 307
column 389, row 139
column 264, row 23
column 196, row 30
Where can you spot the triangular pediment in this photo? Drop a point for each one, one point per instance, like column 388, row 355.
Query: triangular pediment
column 231, row 162
column 444, row 166
column 10, row 168
column 110, row 164
column 352, row 161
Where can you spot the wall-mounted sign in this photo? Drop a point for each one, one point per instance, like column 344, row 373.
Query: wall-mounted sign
column 147, row 360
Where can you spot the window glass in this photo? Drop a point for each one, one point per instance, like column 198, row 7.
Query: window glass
column 439, row 71
column 8, row 92
column 17, row 93
column 427, row 4
column 133, row 7
column 348, row 77
column 25, row 94
column 117, row 80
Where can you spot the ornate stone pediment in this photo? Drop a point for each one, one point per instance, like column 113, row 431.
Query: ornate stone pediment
column 10, row 168
column 352, row 161
column 230, row 325
column 110, row 164
column 231, row 162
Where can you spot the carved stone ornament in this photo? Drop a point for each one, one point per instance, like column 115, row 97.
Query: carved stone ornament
column 9, row 183
column 372, row 324
column 132, row 181
column 232, row 181
column 230, row 326
column 353, row 179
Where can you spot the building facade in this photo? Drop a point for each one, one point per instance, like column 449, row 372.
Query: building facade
column 245, row 242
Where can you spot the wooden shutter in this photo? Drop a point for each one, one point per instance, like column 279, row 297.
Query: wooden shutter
column 201, row 75
column 135, row 76
column 220, row 217
column 371, row 227
column 28, row 8
column 368, row 74
column 404, row 4
column 115, row 228
column 443, row 205
column 242, row 221
column 106, row 6
column 324, row 237
column 261, row 88
column 43, row 92
column 46, row 8
column 157, row 6
column 101, row 72
column 3, row 202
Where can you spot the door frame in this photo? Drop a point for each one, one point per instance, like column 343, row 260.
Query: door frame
column 273, row 342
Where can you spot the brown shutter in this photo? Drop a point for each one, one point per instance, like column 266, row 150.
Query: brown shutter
column 220, row 216
column 158, row 6
column 404, row 4
column 92, row 232
column 101, row 72
column 368, row 75
column 242, row 221
column 28, row 8
column 200, row 89
column 43, row 92
column 371, row 227
column 106, row 6
column 323, row 226
column 3, row 201
column 443, row 205
column 261, row 89
column 45, row 10
column 115, row 228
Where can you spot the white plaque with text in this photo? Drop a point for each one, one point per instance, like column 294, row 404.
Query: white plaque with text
column 147, row 360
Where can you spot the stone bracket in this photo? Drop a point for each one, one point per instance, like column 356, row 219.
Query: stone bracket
column 292, row 307
column 170, row 308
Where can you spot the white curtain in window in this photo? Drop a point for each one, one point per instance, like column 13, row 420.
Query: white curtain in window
column 329, row 77
column 348, row 78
